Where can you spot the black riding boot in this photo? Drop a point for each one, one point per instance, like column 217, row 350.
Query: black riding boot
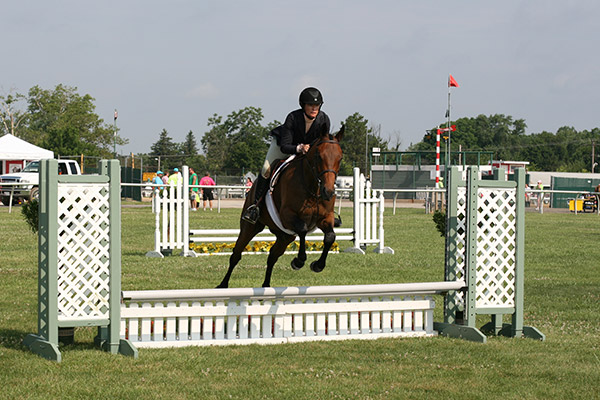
column 252, row 213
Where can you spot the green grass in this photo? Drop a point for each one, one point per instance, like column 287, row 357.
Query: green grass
column 562, row 299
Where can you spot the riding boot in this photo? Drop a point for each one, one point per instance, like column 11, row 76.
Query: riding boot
column 252, row 213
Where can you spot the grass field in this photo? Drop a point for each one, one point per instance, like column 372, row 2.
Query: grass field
column 562, row 299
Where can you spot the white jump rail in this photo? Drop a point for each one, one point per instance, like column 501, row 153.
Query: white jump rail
column 204, row 317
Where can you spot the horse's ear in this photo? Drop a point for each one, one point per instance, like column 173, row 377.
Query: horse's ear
column 340, row 134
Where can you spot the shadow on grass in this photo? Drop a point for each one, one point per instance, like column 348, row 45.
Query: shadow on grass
column 13, row 339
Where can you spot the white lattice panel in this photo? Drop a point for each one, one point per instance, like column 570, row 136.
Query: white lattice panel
column 496, row 247
column 83, row 251
column 460, row 240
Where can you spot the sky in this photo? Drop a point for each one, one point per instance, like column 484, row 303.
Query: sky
column 174, row 64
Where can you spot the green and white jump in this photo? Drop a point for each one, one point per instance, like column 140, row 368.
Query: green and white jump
column 80, row 280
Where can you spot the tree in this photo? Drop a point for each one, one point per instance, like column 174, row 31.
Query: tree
column 166, row 149
column 357, row 144
column 238, row 142
column 189, row 150
column 10, row 116
column 189, row 146
column 61, row 117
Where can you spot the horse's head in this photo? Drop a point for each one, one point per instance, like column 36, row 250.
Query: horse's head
column 325, row 157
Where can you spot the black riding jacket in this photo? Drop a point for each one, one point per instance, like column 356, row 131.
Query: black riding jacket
column 291, row 133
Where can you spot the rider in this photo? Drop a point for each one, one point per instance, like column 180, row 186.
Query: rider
column 301, row 127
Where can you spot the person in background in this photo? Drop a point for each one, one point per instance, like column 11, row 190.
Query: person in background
column 207, row 193
column 194, row 190
column 158, row 181
column 175, row 178
column 165, row 178
column 540, row 186
column 248, row 186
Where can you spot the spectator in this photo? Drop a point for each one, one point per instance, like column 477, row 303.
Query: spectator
column 207, row 193
column 248, row 186
column 157, row 182
column 175, row 177
column 194, row 190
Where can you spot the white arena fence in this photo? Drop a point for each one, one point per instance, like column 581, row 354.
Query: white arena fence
column 171, row 206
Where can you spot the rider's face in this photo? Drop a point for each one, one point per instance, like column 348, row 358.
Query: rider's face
column 311, row 110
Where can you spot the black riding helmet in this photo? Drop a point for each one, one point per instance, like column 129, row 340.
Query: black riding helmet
column 310, row 95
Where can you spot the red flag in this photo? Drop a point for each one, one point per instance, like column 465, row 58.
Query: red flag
column 452, row 128
column 452, row 81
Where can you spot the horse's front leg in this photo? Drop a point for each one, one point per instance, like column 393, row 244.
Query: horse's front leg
column 300, row 259
column 247, row 232
column 328, row 240
column 276, row 251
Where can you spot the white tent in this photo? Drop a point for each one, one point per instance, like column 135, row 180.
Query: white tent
column 15, row 153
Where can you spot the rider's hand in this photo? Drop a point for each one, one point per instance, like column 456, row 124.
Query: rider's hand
column 302, row 148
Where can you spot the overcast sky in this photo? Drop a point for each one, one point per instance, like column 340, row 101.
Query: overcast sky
column 173, row 64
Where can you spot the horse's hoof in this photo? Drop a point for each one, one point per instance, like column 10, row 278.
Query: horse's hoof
column 297, row 264
column 316, row 267
column 222, row 286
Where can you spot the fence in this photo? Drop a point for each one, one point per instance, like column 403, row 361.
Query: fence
column 173, row 232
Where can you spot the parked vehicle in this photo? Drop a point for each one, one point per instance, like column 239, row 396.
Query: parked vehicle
column 30, row 176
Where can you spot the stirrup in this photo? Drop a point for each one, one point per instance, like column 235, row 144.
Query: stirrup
column 251, row 214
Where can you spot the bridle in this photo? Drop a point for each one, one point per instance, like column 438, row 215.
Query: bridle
column 314, row 167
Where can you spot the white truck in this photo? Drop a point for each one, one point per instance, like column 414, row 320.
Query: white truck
column 30, row 176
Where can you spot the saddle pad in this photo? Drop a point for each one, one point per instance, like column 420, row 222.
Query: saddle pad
column 269, row 199
column 275, row 214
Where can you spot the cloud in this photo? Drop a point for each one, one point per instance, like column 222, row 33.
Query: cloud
column 203, row 91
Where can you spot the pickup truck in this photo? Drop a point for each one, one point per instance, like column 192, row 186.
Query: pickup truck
column 30, row 177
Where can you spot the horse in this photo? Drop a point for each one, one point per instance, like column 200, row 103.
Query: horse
column 305, row 197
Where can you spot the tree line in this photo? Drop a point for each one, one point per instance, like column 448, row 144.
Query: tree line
column 567, row 150
column 239, row 142
column 60, row 120
column 65, row 122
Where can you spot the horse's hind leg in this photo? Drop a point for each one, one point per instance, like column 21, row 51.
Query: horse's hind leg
column 276, row 251
column 247, row 232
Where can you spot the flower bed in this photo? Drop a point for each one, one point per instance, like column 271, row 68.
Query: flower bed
column 256, row 247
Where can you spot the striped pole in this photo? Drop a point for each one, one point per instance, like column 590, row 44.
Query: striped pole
column 437, row 159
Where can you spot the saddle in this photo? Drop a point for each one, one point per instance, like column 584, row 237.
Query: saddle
column 280, row 167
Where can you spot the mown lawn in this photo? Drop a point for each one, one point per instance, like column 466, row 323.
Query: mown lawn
column 562, row 299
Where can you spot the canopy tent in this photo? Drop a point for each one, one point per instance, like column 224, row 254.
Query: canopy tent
column 15, row 153
column 13, row 148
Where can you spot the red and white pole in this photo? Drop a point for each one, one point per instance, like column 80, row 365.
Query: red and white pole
column 437, row 159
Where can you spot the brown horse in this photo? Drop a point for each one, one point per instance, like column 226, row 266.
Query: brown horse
column 305, row 197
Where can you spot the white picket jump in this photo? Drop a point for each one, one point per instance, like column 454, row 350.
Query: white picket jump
column 172, row 229
column 175, row 318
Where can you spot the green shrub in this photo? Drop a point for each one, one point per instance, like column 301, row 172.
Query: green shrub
column 439, row 218
column 31, row 214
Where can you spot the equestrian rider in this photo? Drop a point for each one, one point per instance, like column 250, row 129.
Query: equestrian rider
column 301, row 127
